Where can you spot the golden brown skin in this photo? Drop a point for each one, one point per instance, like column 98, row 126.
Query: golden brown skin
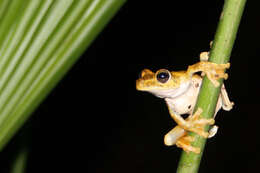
column 148, row 79
column 181, row 88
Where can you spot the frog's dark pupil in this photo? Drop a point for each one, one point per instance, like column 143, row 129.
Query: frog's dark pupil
column 163, row 77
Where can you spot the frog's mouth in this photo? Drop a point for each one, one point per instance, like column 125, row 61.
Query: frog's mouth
column 170, row 92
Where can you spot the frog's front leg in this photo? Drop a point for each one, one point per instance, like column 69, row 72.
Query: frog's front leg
column 227, row 104
column 212, row 70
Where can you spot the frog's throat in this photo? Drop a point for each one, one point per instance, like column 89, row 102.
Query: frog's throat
column 171, row 92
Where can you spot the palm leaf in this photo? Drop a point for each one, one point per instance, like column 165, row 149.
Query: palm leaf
column 39, row 42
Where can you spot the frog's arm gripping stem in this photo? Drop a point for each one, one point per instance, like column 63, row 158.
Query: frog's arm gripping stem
column 212, row 70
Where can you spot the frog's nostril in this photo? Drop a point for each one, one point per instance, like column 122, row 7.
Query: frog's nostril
column 143, row 73
column 146, row 72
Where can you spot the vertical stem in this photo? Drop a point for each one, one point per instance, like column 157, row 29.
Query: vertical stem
column 19, row 163
column 220, row 53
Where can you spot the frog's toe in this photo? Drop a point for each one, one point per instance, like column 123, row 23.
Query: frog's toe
column 200, row 131
column 197, row 124
column 204, row 56
column 185, row 143
column 202, row 122
column 217, row 71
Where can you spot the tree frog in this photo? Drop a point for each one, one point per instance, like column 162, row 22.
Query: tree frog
column 180, row 90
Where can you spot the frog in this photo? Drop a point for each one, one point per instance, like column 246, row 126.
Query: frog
column 180, row 90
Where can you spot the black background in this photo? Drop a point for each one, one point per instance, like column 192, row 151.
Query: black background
column 96, row 121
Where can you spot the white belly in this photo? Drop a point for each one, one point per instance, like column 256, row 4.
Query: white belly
column 184, row 103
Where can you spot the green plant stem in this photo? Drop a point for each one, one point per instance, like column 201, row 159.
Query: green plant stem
column 19, row 162
column 207, row 100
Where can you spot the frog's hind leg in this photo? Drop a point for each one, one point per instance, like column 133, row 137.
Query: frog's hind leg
column 227, row 105
column 223, row 102
column 179, row 137
column 174, row 135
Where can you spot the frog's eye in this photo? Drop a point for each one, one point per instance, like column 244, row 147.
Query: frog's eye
column 163, row 76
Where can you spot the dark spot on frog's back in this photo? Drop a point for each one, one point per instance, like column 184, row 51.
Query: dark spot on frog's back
column 189, row 106
column 197, row 85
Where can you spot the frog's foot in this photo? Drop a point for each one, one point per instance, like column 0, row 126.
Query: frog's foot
column 196, row 124
column 185, row 143
column 212, row 70
column 215, row 72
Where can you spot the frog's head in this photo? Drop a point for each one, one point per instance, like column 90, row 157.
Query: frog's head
column 163, row 83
